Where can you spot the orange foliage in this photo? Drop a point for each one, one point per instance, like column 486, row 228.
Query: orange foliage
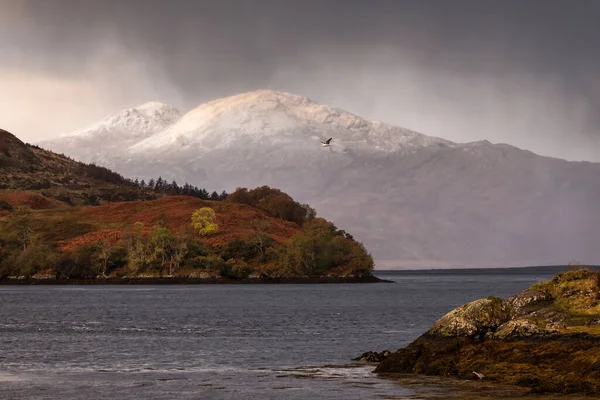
column 111, row 236
column 35, row 201
column 234, row 220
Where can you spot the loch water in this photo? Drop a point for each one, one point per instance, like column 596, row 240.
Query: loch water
column 288, row 341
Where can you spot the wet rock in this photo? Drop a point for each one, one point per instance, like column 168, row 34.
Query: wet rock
column 373, row 356
column 527, row 298
column 546, row 364
column 473, row 319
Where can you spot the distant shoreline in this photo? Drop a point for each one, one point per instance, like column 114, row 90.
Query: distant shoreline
column 484, row 270
column 190, row 281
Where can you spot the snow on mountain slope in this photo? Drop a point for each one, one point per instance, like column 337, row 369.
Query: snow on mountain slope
column 417, row 200
column 279, row 118
column 114, row 133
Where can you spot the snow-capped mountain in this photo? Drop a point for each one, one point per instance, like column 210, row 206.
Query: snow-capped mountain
column 280, row 118
column 413, row 199
column 116, row 133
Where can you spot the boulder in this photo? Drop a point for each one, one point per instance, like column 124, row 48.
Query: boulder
column 373, row 356
column 527, row 298
column 527, row 340
column 519, row 328
column 473, row 319
column 549, row 315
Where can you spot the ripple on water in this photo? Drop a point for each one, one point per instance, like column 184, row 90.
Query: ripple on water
column 219, row 341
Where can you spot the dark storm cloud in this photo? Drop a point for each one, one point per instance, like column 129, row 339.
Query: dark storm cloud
column 522, row 72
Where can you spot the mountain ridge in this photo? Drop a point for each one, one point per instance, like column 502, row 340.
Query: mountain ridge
column 414, row 200
column 115, row 132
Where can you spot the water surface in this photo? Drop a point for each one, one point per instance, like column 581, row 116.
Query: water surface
column 224, row 341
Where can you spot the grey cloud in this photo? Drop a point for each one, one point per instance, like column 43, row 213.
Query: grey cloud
column 517, row 72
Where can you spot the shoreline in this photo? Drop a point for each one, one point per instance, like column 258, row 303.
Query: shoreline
column 545, row 338
column 190, row 281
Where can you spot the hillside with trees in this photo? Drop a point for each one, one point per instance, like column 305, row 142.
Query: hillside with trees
column 56, row 176
column 61, row 219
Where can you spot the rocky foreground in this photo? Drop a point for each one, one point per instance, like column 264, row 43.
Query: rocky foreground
column 546, row 338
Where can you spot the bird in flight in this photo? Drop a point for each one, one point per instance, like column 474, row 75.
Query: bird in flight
column 479, row 375
column 326, row 143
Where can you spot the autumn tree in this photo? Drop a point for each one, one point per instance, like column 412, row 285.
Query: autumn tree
column 105, row 250
column 235, row 269
column 351, row 257
column 138, row 251
column 274, row 203
column 321, row 248
column 159, row 241
column 168, row 249
column 78, row 264
column 203, row 221
column 259, row 238
column 36, row 257
column 15, row 238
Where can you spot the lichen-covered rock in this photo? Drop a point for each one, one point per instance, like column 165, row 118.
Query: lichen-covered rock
column 518, row 328
column 520, row 301
column 473, row 319
column 555, row 327
column 549, row 315
column 545, row 338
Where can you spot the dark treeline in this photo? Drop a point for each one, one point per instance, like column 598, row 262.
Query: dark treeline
column 159, row 185
column 98, row 172
column 162, row 186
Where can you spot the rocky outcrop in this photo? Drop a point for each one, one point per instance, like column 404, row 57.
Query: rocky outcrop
column 373, row 356
column 473, row 319
column 546, row 364
column 527, row 298
column 520, row 327
column 545, row 338
column 525, row 314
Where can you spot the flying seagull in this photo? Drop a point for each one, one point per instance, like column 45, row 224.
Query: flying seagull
column 326, row 143
column 479, row 375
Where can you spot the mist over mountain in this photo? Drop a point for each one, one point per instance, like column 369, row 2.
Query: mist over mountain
column 100, row 141
column 414, row 200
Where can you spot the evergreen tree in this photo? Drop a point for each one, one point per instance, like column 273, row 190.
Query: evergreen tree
column 175, row 187
column 160, row 185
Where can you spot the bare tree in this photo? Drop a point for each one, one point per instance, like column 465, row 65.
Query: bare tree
column 105, row 250
column 259, row 234
column 22, row 225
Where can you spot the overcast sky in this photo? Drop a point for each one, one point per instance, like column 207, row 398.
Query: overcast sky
column 519, row 72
